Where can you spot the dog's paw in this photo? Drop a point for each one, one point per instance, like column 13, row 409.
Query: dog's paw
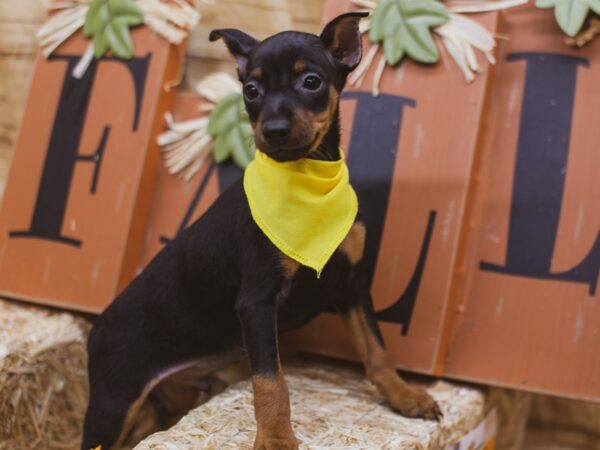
column 415, row 403
column 288, row 443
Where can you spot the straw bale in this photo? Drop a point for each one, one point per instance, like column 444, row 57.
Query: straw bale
column 560, row 439
column 333, row 406
column 512, row 407
column 559, row 424
column 43, row 379
column 564, row 413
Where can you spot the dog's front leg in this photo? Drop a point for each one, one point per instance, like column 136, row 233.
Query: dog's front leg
column 357, row 312
column 257, row 310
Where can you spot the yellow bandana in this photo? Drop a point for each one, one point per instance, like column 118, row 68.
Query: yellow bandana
column 306, row 207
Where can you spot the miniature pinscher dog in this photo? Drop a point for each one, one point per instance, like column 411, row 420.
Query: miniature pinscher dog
column 221, row 291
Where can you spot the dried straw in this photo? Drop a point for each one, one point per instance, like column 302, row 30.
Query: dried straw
column 562, row 423
column 513, row 412
column 172, row 20
column 461, row 36
column 586, row 35
column 333, row 406
column 187, row 144
column 43, row 380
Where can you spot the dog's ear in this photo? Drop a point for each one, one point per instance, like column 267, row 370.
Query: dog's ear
column 342, row 38
column 239, row 44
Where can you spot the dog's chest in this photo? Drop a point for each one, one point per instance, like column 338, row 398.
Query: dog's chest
column 304, row 296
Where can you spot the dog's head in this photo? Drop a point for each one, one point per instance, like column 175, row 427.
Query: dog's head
column 292, row 82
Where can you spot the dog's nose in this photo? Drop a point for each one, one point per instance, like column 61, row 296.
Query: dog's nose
column 276, row 132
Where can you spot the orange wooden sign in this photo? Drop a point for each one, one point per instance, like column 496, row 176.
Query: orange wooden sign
column 74, row 213
column 528, row 303
column 178, row 203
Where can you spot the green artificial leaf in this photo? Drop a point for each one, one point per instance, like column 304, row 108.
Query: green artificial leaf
column 224, row 114
column 229, row 125
column 403, row 28
column 108, row 22
column 570, row 14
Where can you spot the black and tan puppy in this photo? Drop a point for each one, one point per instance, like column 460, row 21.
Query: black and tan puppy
column 222, row 291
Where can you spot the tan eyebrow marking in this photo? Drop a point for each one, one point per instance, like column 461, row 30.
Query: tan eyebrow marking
column 257, row 73
column 299, row 66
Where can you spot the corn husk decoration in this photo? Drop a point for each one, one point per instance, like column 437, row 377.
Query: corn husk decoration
column 225, row 133
column 406, row 28
column 107, row 23
column 586, row 35
column 571, row 15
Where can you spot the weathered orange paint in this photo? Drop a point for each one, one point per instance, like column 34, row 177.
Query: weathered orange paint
column 111, row 223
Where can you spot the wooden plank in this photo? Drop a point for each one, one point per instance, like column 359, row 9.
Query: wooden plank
column 307, row 11
column 529, row 308
column 18, row 23
column 307, row 16
column 257, row 18
column 197, row 68
column 15, row 73
column 18, row 39
column 259, row 22
column 22, row 11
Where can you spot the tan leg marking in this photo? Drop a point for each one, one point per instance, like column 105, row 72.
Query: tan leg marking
column 353, row 245
column 176, row 393
column 146, row 423
column 405, row 399
column 136, row 411
column 272, row 410
column 257, row 73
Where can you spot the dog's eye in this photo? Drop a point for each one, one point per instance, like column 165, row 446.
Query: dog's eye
column 311, row 83
column 250, row 92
